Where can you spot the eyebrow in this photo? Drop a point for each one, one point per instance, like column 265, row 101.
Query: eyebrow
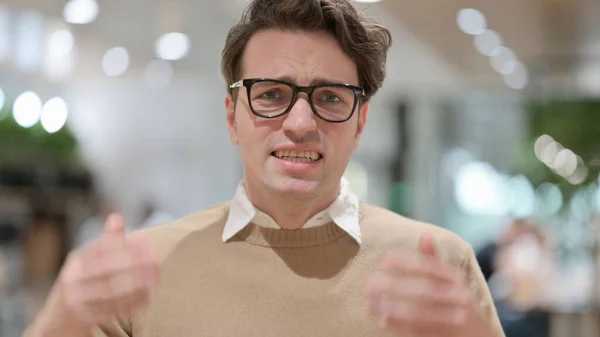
column 315, row 81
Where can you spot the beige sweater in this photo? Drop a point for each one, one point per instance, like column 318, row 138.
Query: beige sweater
column 272, row 282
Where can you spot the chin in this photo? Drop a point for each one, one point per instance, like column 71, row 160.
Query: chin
column 296, row 188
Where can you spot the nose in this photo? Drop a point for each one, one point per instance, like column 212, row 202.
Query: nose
column 300, row 120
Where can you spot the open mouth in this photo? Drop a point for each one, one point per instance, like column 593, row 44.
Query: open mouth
column 298, row 156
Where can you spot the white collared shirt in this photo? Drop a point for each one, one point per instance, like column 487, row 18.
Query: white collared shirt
column 343, row 212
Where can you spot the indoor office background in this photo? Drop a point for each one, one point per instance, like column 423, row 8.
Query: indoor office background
column 488, row 124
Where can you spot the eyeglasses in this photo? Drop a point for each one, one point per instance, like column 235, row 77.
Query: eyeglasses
column 334, row 103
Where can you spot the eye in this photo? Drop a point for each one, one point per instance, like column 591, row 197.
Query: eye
column 272, row 94
column 330, row 98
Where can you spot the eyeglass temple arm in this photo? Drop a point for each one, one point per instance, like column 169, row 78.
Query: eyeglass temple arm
column 237, row 84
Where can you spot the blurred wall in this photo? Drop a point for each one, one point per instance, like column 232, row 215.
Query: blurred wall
column 170, row 145
column 419, row 76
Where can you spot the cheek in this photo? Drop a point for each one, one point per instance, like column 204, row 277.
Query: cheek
column 252, row 138
column 243, row 127
column 342, row 135
column 340, row 140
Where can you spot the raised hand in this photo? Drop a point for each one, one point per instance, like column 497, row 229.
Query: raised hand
column 109, row 277
column 420, row 294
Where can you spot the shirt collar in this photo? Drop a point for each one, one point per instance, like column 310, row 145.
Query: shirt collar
column 343, row 212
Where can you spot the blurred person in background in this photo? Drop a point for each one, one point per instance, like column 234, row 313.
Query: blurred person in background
column 486, row 257
column 10, row 238
column 294, row 253
column 8, row 235
column 3, row 275
column 45, row 246
column 518, row 266
column 153, row 216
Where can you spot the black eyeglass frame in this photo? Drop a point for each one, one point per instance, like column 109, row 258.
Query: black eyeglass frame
column 359, row 93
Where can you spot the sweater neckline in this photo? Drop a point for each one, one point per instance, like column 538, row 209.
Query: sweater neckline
column 283, row 238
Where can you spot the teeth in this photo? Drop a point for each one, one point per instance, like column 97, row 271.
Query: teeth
column 303, row 156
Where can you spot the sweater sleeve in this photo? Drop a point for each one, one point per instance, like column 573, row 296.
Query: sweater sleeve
column 480, row 291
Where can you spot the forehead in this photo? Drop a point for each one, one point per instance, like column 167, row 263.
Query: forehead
column 300, row 55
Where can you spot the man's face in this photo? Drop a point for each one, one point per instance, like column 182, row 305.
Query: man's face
column 302, row 58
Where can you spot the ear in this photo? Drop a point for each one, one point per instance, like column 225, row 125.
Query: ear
column 362, row 122
column 230, row 106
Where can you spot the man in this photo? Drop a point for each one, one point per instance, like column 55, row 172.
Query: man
column 294, row 253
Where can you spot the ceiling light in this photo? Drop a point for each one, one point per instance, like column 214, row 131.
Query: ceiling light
column 580, row 175
column 80, row 11
column 565, row 162
column 540, row 145
column 172, row 46
column 54, row 114
column 504, row 61
column 488, row 42
column 27, row 109
column 115, row 61
column 471, row 21
column 60, row 44
column 518, row 78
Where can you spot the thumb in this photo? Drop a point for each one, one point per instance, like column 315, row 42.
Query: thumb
column 115, row 225
column 427, row 245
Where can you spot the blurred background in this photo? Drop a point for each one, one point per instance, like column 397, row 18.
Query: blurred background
column 488, row 124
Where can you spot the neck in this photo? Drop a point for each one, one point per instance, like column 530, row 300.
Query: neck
column 291, row 213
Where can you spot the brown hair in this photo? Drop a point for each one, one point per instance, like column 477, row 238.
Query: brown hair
column 364, row 41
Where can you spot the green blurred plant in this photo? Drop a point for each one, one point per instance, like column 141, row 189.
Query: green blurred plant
column 19, row 145
column 575, row 124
